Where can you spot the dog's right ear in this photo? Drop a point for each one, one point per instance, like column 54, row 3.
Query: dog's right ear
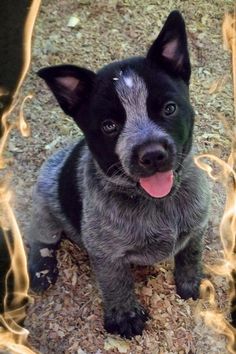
column 70, row 85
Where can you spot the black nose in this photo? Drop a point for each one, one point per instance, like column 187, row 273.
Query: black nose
column 152, row 156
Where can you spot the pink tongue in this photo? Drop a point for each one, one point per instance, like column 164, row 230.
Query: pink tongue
column 158, row 185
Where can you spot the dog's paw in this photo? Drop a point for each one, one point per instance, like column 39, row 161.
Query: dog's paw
column 126, row 323
column 188, row 288
column 43, row 273
column 41, row 279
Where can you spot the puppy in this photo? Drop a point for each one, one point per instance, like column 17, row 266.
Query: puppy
column 129, row 190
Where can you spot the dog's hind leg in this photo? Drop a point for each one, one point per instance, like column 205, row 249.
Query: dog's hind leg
column 44, row 236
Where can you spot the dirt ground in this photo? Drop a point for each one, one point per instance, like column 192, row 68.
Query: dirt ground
column 68, row 317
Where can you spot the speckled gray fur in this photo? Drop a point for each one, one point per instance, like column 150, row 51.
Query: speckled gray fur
column 123, row 228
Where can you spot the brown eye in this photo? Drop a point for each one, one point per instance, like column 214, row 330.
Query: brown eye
column 169, row 109
column 109, row 127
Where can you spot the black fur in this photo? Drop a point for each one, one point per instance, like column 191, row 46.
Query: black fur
column 68, row 190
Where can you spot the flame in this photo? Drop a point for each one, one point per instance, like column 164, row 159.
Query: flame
column 224, row 172
column 226, row 266
column 13, row 337
column 22, row 124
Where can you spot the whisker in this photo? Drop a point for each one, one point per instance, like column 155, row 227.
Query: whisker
column 116, row 164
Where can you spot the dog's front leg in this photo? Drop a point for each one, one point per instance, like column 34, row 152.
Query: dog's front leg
column 44, row 235
column 188, row 267
column 122, row 313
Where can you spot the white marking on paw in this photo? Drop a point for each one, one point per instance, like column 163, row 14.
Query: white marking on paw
column 49, row 280
column 46, row 252
column 42, row 273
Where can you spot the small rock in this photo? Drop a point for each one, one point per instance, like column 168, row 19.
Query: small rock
column 73, row 22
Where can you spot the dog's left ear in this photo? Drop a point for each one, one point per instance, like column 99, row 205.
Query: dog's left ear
column 170, row 49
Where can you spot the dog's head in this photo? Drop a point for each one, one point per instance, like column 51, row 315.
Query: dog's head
column 135, row 114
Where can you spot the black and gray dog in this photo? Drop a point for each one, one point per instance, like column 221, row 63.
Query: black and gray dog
column 129, row 190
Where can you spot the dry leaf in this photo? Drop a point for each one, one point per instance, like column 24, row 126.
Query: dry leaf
column 120, row 344
column 147, row 291
column 81, row 351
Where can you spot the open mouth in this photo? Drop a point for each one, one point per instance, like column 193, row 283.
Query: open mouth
column 158, row 185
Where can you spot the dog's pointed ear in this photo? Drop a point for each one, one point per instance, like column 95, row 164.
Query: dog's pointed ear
column 70, row 85
column 170, row 49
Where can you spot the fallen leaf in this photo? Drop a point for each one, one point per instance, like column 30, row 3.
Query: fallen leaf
column 120, row 344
